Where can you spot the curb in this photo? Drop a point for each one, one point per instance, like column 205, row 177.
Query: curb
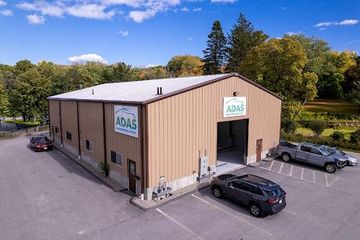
column 199, row 187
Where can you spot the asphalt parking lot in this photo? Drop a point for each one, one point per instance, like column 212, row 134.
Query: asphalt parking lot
column 48, row 196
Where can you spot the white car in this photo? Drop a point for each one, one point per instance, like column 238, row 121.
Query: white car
column 351, row 160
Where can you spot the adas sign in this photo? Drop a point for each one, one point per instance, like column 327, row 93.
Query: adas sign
column 126, row 120
column 234, row 106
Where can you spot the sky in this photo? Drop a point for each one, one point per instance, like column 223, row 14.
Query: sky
column 149, row 32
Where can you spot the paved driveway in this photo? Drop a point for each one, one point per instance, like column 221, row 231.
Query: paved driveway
column 48, row 196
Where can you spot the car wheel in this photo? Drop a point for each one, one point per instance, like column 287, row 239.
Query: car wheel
column 255, row 210
column 330, row 168
column 217, row 192
column 286, row 157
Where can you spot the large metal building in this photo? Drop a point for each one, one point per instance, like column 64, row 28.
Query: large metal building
column 176, row 130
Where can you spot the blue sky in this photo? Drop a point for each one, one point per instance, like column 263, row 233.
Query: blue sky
column 150, row 32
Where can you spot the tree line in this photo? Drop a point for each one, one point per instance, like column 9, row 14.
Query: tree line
column 296, row 67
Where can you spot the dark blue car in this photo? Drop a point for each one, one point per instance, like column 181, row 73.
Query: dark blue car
column 262, row 197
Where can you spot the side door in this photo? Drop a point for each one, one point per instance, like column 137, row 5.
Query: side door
column 316, row 157
column 240, row 191
column 302, row 154
column 132, row 175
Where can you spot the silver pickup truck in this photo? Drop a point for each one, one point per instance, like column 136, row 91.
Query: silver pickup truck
column 312, row 154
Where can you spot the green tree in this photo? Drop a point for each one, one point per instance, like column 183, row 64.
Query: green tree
column 29, row 96
column 242, row 39
column 317, row 127
column 331, row 76
column 352, row 78
column 156, row 72
column 215, row 52
column 119, row 72
column 316, row 51
column 23, row 66
column 3, row 100
column 185, row 65
column 279, row 66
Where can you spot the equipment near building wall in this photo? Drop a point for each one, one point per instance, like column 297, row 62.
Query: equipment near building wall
column 203, row 166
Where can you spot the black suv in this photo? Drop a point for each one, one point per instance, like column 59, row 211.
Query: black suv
column 262, row 196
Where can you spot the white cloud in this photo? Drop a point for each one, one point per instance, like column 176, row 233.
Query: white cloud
column 93, row 11
column 197, row 9
column 152, row 65
column 137, row 10
column 292, row 33
column 223, row 1
column 140, row 16
column 131, row 3
column 2, row 3
column 346, row 22
column 91, row 57
column 35, row 19
column 184, row 9
column 6, row 13
column 325, row 24
column 349, row 22
column 124, row 33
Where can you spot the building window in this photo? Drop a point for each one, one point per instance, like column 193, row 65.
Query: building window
column 116, row 158
column 89, row 145
column 56, row 130
column 68, row 136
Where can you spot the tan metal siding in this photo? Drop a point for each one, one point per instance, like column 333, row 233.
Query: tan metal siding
column 55, row 118
column 69, row 122
column 91, row 128
column 182, row 127
column 129, row 147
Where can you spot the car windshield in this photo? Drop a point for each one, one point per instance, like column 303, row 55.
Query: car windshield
column 325, row 151
column 41, row 139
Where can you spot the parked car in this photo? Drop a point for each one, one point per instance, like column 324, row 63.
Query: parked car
column 313, row 154
column 41, row 143
column 351, row 160
column 261, row 196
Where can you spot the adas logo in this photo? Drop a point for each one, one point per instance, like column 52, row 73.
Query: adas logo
column 234, row 106
column 126, row 120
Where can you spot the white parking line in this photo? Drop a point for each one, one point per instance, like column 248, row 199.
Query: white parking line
column 302, row 174
column 282, row 165
column 290, row 212
column 233, row 215
column 334, row 181
column 272, row 163
column 314, row 181
column 180, row 224
column 326, row 180
column 291, row 170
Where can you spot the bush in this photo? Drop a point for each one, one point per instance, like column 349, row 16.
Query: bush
column 317, row 127
column 355, row 137
column 337, row 136
column 104, row 168
column 321, row 140
column 288, row 126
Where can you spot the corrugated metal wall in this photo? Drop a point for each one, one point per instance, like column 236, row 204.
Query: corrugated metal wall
column 91, row 128
column 181, row 128
column 69, row 123
column 54, row 114
column 129, row 147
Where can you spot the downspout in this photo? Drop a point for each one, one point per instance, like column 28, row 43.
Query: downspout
column 61, row 133
column 48, row 109
column 78, row 127
column 143, row 142
column 104, row 133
